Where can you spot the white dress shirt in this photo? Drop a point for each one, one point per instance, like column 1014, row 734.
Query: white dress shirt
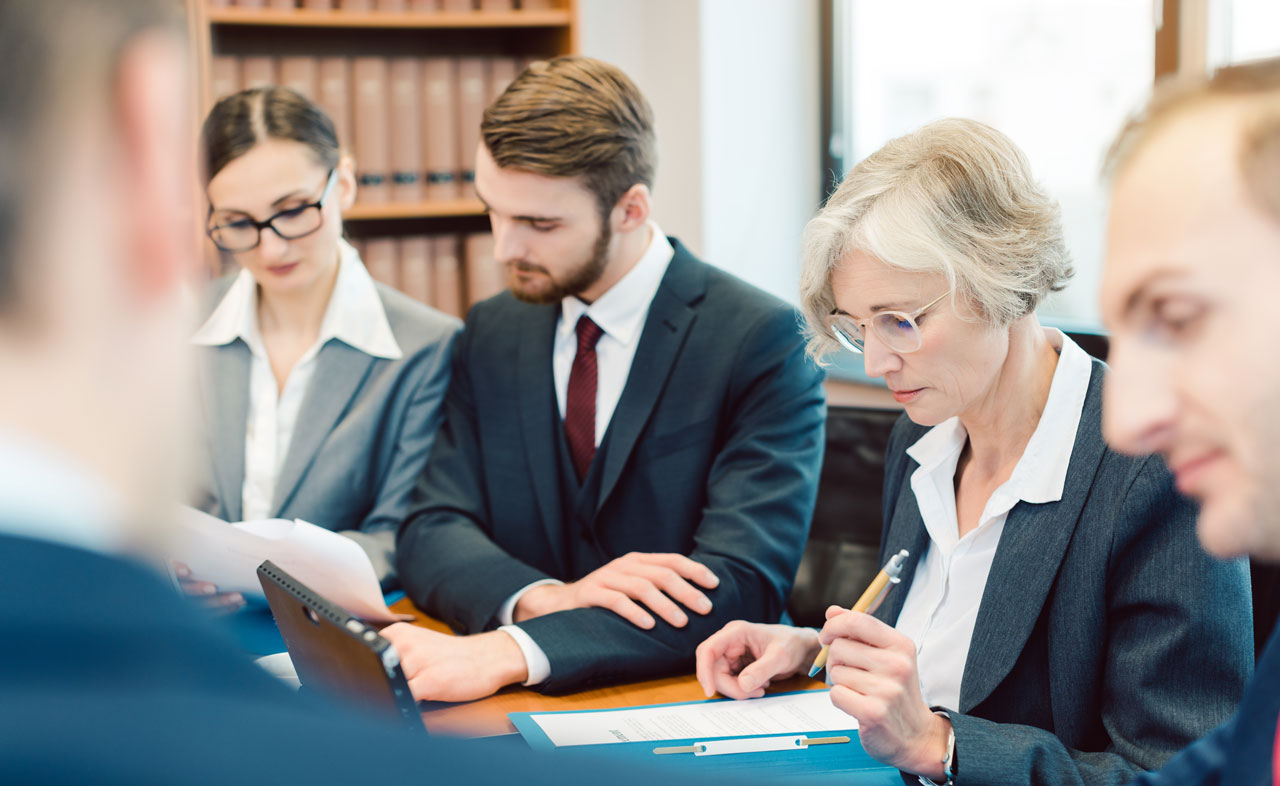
column 354, row 316
column 620, row 313
column 47, row 496
column 942, row 603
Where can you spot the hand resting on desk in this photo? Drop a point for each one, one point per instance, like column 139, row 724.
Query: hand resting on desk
column 656, row 580
column 441, row 667
column 873, row 675
column 741, row 659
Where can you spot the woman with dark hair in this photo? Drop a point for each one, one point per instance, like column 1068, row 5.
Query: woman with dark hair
column 320, row 388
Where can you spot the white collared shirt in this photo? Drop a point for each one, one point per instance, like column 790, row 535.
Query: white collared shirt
column 47, row 496
column 942, row 603
column 620, row 312
column 354, row 316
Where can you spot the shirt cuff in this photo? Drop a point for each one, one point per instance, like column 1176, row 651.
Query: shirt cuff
column 506, row 612
column 535, row 660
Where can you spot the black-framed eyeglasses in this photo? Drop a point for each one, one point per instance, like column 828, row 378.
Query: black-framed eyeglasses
column 897, row 329
column 244, row 234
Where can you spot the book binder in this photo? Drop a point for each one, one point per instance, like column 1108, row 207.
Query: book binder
column 448, row 274
column 258, row 71
column 440, row 127
column 406, row 130
column 416, row 274
column 472, row 78
column 301, row 74
column 370, row 119
column 334, row 96
column 380, row 260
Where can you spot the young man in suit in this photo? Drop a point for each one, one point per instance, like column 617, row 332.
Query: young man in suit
column 631, row 441
column 1189, row 291
column 107, row 674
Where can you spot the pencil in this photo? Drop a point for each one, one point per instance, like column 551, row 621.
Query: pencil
column 889, row 575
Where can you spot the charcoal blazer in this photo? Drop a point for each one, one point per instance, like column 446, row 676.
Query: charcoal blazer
column 1106, row 638
column 713, row 451
column 1242, row 751
column 362, row 436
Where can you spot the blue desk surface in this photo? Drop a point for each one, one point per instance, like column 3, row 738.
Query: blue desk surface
column 845, row 763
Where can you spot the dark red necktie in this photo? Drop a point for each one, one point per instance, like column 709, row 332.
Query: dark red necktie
column 580, row 401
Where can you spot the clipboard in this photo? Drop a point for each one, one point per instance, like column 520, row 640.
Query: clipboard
column 845, row 763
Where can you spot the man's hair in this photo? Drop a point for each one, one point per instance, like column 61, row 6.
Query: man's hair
column 574, row 117
column 1253, row 88
column 57, row 56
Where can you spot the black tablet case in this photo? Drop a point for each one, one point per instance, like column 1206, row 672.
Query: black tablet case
column 336, row 653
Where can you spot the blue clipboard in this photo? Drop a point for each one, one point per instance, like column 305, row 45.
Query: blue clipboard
column 845, row 763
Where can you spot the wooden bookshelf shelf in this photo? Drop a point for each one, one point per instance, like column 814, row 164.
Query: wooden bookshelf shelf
column 362, row 67
column 388, row 20
column 378, row 211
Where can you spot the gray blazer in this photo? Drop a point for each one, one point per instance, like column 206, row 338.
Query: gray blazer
column 1106, row 639
column 363, row 435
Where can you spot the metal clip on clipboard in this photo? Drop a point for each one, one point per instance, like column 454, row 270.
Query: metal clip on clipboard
column 751, row 745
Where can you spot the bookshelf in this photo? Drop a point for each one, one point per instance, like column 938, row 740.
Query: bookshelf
column 387, row 211
column 561, row 18
column 229, row 37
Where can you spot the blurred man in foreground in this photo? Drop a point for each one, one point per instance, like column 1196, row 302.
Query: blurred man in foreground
column 1189, row 294
column 107, row 676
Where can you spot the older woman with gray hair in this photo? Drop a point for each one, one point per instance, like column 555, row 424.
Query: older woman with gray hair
column 1056, row 621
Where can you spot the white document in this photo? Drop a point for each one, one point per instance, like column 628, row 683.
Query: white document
column 229, row 555
column 792, row 713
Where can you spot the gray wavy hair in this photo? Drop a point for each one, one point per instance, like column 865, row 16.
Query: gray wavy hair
column 955, row 197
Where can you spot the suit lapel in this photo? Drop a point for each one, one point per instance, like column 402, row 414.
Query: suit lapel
column 665, row 329
column 340, row 371
column 536, row 401
column 1031, row 549
column 225, row 392
column 906, row 531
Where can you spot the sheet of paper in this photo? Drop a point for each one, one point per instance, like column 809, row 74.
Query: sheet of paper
column 792, row 713
column 229, row 555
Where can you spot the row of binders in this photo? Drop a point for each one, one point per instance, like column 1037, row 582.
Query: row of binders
column 447, row 272
column 395, row 6
column 412, row 123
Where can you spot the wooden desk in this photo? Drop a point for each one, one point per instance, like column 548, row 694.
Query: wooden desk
column 487, row 717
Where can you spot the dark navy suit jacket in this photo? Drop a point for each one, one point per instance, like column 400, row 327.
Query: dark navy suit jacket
column 1106, row 639
column 107, row 676
column 1238, row 753
column 713, row 451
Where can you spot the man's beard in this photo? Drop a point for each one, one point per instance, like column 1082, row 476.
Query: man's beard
column 578, row 279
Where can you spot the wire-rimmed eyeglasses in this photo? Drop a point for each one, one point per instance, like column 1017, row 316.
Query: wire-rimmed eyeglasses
column 896, row 329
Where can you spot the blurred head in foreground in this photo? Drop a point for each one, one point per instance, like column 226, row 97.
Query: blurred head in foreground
column 96, row 241
column 1189, row 295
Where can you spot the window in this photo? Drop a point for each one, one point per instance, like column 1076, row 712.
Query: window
column 1242, row 30
column 1058, row 76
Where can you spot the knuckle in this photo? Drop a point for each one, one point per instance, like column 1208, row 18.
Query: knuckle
column 900, row 667
column 874, row 715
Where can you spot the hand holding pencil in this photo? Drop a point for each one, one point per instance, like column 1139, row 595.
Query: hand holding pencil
column 888, row 576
